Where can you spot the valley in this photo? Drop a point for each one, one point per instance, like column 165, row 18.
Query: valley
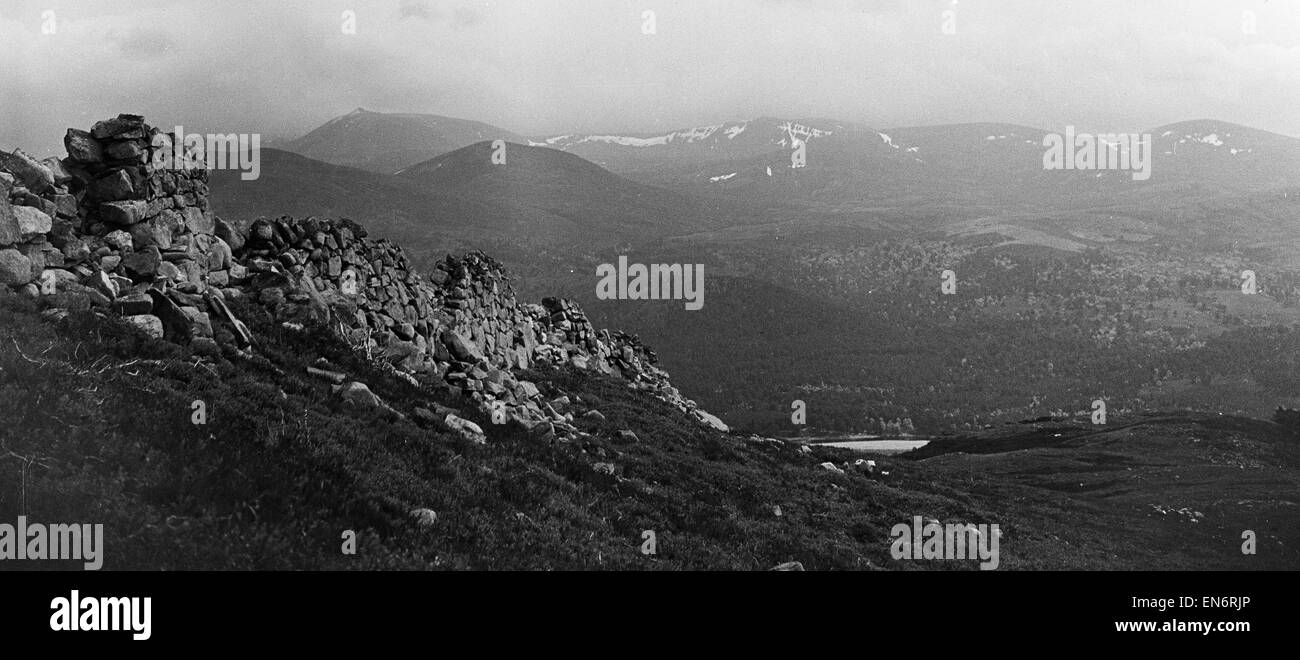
column 824, row 281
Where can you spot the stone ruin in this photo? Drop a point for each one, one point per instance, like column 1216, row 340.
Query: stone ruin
column 117, row 227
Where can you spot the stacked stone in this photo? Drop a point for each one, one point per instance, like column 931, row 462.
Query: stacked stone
column 33, row 195
column 326, row 269
column 131, row 227
column 119, row 224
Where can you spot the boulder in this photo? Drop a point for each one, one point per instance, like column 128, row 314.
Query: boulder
column 103, row 284
column 358, row 394
column 461, row 347
column 200, row 324
column 831, row 467
column 424, row 517
column 467, row 429
column 143, row 264
column 134, row 304
column 32, row 222
column 119, row 240
column 228, row 233
column 27, row 171
column 15, row 269
column 197, row 221
column 122, row 127
column 82, row 147
column 150, row 324
column 114, row 186
column 711, row 421
column 123, row 213
column 159, row 230
column 129, row 150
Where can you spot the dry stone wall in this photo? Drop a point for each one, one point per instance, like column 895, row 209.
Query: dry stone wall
column 116, row 226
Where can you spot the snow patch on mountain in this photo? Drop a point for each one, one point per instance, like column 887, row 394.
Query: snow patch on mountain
column 801, row 131
column 723, row 177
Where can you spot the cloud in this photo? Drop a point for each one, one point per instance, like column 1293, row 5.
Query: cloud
column 553, row 66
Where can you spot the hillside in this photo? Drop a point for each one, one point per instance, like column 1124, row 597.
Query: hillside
column 387, row 142
column 99, row 428
column 594, row 200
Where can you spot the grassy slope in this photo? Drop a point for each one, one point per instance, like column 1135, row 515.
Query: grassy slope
column 95, row 427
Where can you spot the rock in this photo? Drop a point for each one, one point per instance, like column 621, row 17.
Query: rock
column 467, row 429
column 123, row 127
column 82, row 147
column 831, row 467
column 114, row 186
column 197, row 221
column 526, row 390
column 10, row 232
column 628, row 436
column 56, row 168
column 200, row 324
column 593, row 416
column 150, row 324
column 32, row 222
column 101, row 283
column 358, row 394
column 228, row 233
column 219, row 255
column 788, row 566
column 65, row 206
column 15, row 269
column 424, row 517
column 461, row 347
column 133, row 304
column 604, row 468
column 123, row 213
column 711, row 421
column 175, row 321
column 168, row 271
column 865, row 465
column 27, row 171
column 158, row 230
column 129, row 150
column 119, row 240
column 143, row 264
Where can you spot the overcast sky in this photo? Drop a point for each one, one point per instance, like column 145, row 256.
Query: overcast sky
column 282, row 67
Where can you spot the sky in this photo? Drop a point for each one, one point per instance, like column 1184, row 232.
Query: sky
column 547, row 67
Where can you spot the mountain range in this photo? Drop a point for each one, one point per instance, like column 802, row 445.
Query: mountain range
column 958, row 179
